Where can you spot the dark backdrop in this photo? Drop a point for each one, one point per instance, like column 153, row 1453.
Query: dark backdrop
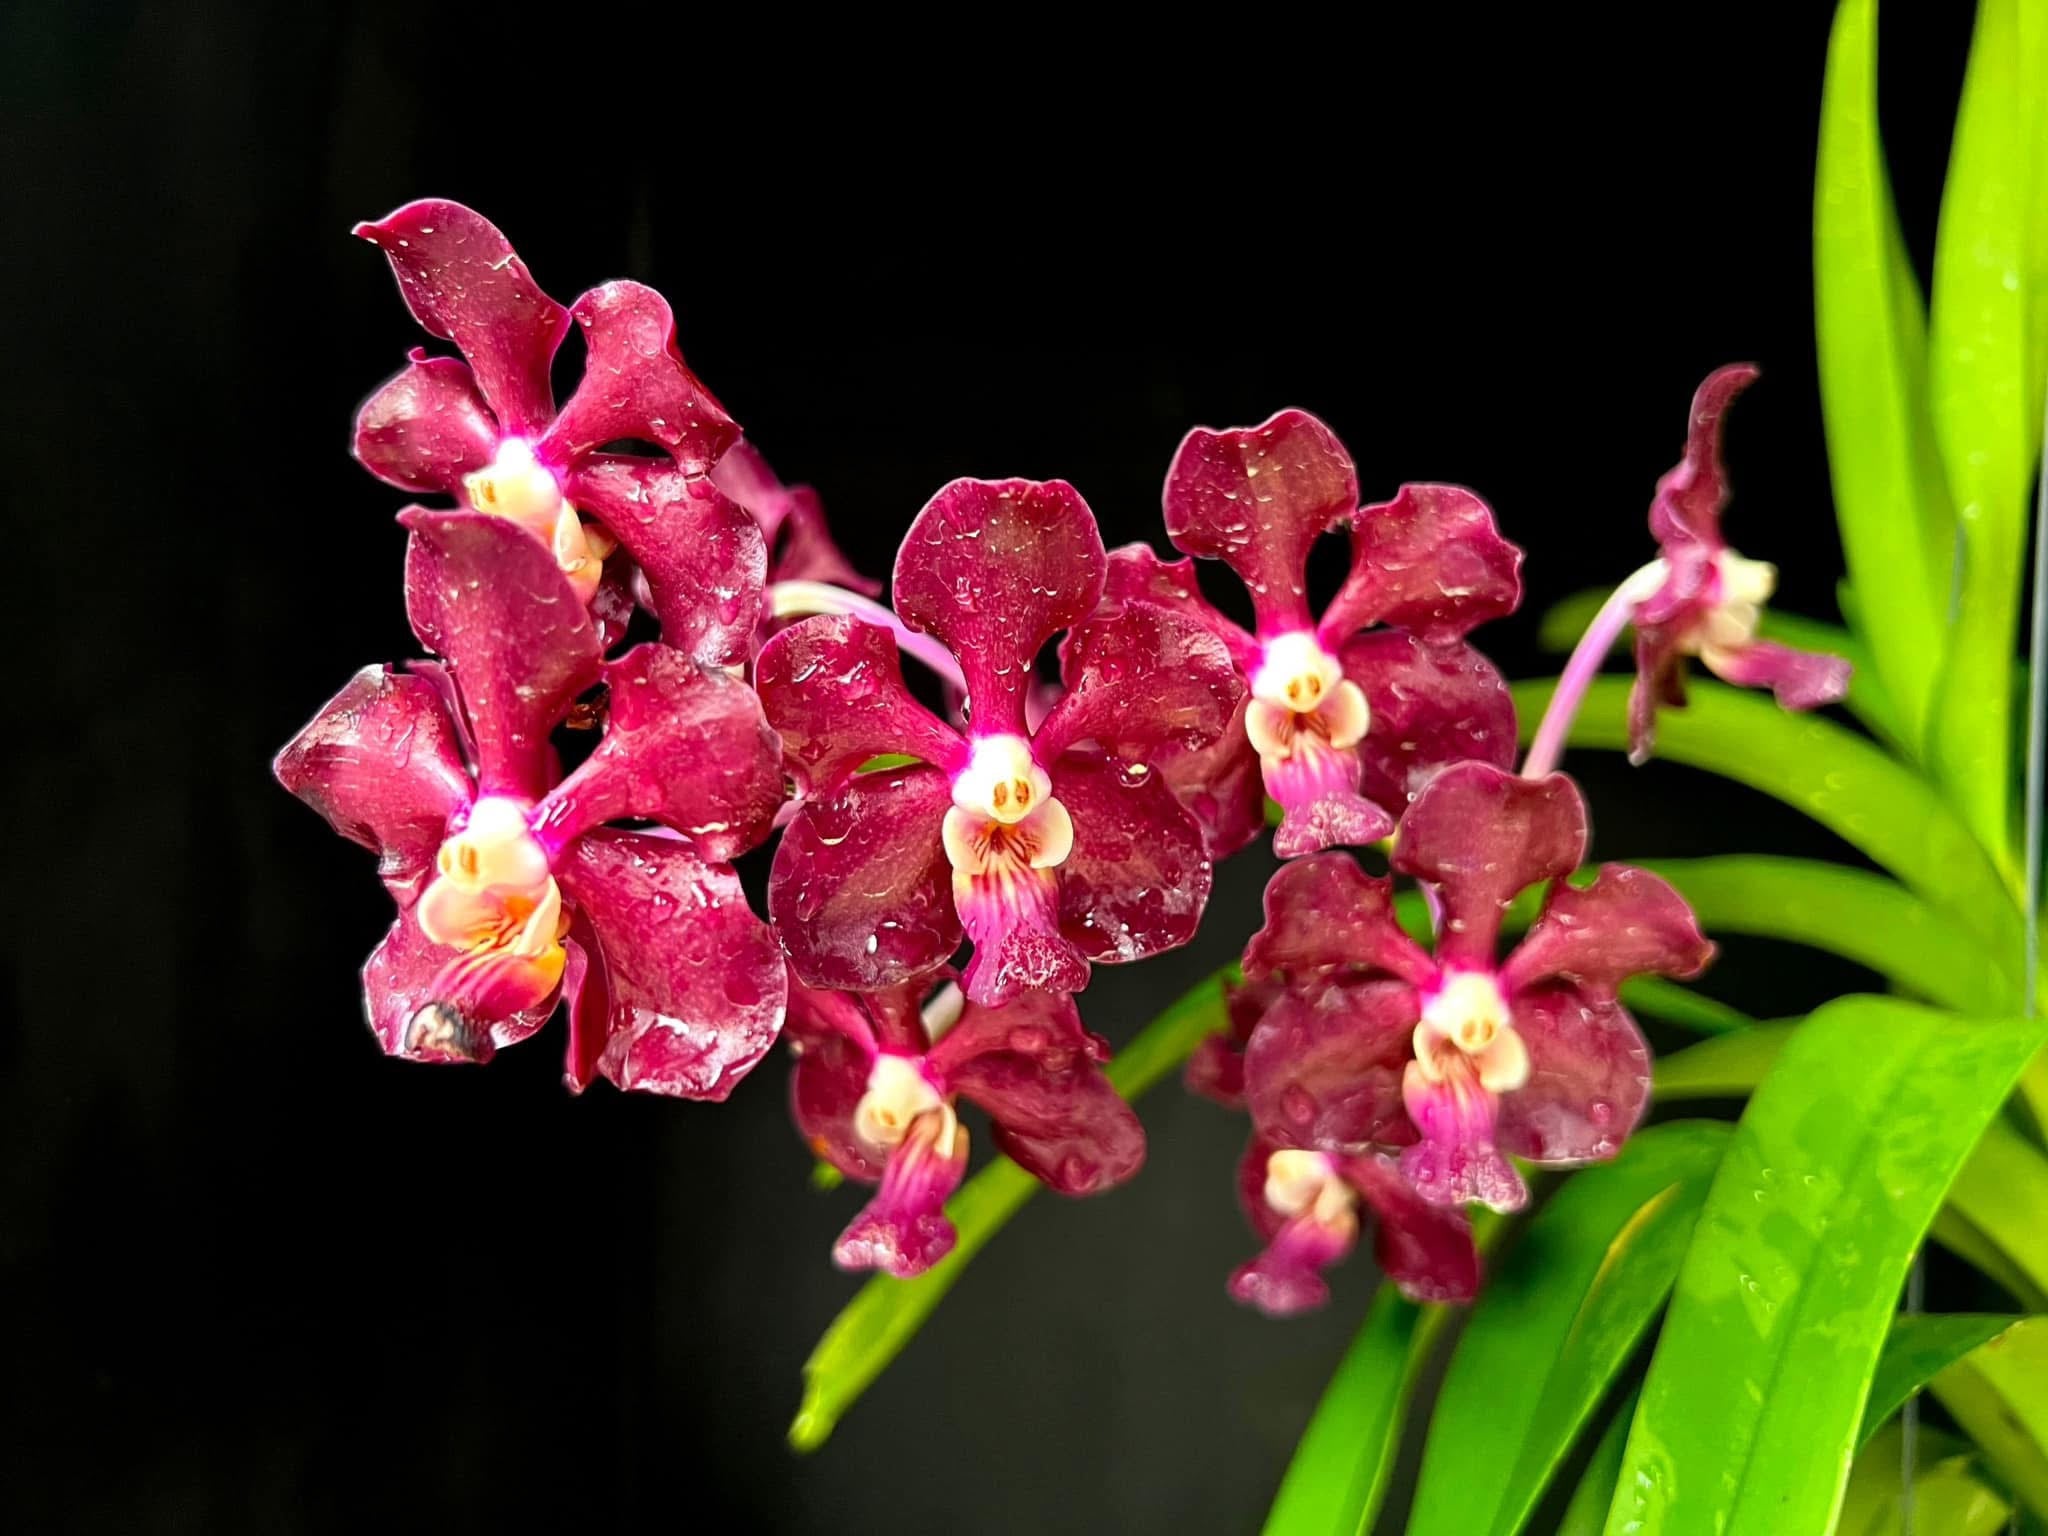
column 261, row 1278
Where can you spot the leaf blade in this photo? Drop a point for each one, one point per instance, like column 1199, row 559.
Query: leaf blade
column 1920, row 1347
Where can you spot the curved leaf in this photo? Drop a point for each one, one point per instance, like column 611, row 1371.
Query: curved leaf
column 1854, row 913
column 1921, row 1346
column 1984, row 373
column 886, row 1314
column 1999, row 1395
column 1950, row 1497
column 1655, row 998
column 1586, row 1515
column 1558, row 1320
column 1897, row 529
column 1756, row 1391
column 1727, row 1067
column 1847, row 784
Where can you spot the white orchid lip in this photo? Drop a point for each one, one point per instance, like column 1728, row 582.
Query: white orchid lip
column 898, row 1093
column 1466, row 1026
column 1299, row 691
column 494, row 899
column 1731, row 623
column 495, row 847
column 1301, row 1183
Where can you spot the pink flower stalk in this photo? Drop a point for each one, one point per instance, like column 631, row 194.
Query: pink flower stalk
column 513, row 889
column 1698, row 598
column 875, row 1091
column 1458, row 1058
column 1347, row 715
column 1048, row 849
column 485, row 430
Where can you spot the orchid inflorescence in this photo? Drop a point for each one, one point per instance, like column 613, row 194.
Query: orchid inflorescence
column 945, row 880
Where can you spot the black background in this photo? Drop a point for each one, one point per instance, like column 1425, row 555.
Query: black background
column 261, row 1278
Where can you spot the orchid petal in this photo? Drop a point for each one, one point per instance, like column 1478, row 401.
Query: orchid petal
column 1430, row 560
column 427, row 427
column 994, row 569
column 833, row 686
column 1323, row 1069
column 1431, row 706
column 1139, row 679
column 696, row 984
column 904, row 1230
column 381, row 763
column 1799, row 679
column 1328, row 919
column 1589, row 1079
column 1627, row 923
column 463, row 282
column 636, row 385
column 1426, row 1250
column 1691, row 495
column 1139, row 875
column 792, row 522
column 835, row 1053
column 424, row 1004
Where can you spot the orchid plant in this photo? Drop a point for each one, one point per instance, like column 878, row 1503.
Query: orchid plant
column 1438, row 1019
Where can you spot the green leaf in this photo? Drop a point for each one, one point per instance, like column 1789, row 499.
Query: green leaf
column 1338, row 1476
column 1921, row 1346
column 885, row 1314
column 1653, row 997
column 1999, row 1396
column 1897, row 529
column 1854, row 913
column 1727, row 1067
column 1586, row 1515
column 1559, row 1318
column 1867, row 700
column 1950, row 1495
column 1984, row 371
column 1847, row 784
column 1756, row 1391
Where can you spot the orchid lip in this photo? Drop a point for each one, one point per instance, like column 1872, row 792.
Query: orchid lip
column 1305, row 1183
column 898, row 1092
column 1001, row 781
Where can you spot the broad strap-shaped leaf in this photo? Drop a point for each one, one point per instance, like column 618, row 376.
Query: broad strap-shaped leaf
column 1890, row 498
column 1653, row 997
column 1558, row 1320
column 886, row 1314
column 1985, row 363
column 1726, row 1067
column 1861, row 916
column 1586, row 1515
column 1849, row 785
column 1999, row 1395
column 1756, row 1393
column 1951, row 1495
column 1920, row 1347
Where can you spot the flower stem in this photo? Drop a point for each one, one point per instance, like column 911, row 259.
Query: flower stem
column 793, row 599
column 1584, row 666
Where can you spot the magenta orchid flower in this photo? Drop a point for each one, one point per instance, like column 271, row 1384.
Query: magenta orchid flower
column 792, row 522
column 1348, row 714
column 1459, row 1058
column 485, row 429
column 1705, row 600
column 876, row 1086
column 1306, row 1205
column 512, row 889
column 1050, row 849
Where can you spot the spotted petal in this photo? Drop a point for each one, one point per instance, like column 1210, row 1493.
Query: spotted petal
column 1323, row 1069
column 1141, row 679
column 833, row 686
column 1626, row 923
column 1690, row 496
column 463, row 282
column 695, row 982
column 425, row 1004
column 683, row 745
column 1430, row 706
column 636, row 385
column 1426, row 1250
column 1481, row 836
column 861, row 891
column 1430, row 560
column 1038, row 1073
column 487, row 597
column 427, row 427
column 1257, row 498
column 1138, row 876
column 381, row 762
column 1589, row 1079
column 994, row 569
column 702, row 555
column 1328, row 919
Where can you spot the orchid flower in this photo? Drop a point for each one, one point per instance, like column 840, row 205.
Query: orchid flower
column 1349, row 714
column 485, row 430
column 1457, row 1057
column 1049, row 850
column 513, row 890
column 875, row 1093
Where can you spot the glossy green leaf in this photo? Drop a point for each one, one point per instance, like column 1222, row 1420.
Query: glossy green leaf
column 1337, row 1479
column 1727, row 1067
column 886, row 1314
column 1920, row 1347
column 1853, row 913
column 1567, row 620
column 1890, row 500
column 1846, row 783
column 1756, row 1391
column 1999, row 1396
column 1653, row 997
column 1586, row 1515
column 1984, row 375
column 1559, row 1319
column 1951, row 1496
